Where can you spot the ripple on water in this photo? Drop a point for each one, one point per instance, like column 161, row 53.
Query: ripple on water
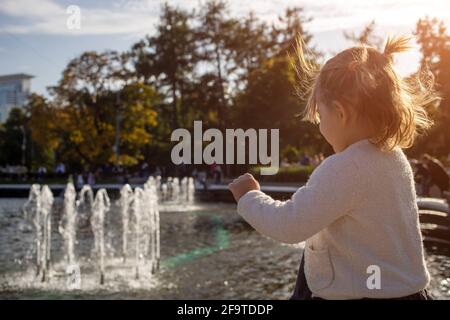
column 207, row 252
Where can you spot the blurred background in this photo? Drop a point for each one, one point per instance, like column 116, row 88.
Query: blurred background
column 90, row 92
column 95, row 88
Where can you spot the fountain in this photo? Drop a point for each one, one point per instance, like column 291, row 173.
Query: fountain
column 32, row 213
column 68, row 223
column 175, row 184
column 164, row 191
column 141, row 205
column 38, row 210
column 190, row 189
column 153, row 229
column 138, row 198
column 100, row 207
column 120, row 242
column 176, row 191
column 126, row 196
column 84, row 205
column 139, row 216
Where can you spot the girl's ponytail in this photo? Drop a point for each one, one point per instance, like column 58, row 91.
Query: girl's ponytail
column 396, row 45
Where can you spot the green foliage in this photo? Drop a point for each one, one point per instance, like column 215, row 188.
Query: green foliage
column 120, row 108
column 12, row 137
column 88, row 118
column 269, row 101
column 290, row 153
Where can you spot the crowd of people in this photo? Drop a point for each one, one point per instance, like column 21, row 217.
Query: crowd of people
column 304, row 160
column 429, row 172
column 431, row 175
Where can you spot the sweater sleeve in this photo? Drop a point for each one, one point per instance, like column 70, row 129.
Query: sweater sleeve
column 330, row 193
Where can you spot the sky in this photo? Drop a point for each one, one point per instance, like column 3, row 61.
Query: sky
column 35, row 38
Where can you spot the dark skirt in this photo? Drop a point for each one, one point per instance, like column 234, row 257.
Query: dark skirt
column 302, row 291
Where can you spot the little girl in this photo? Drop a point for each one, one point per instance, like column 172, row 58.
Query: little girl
column 357, row 212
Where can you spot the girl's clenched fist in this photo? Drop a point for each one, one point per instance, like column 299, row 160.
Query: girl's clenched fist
column 242, row 185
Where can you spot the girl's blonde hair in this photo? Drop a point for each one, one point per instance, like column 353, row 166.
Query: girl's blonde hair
column 364, row 79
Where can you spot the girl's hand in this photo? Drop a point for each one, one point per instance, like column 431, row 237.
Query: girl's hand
column 242, row 185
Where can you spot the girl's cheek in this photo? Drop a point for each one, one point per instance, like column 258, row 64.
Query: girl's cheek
column 322, row 129
column 326, row 131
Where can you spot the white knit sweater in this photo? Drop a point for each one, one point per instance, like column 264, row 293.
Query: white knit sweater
column 358, row 209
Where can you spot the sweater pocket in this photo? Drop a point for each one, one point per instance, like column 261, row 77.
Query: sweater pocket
column 318, row 268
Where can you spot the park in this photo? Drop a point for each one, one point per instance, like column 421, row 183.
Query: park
column 124, row 128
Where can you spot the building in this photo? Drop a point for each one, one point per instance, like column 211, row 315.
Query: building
column 14, row 91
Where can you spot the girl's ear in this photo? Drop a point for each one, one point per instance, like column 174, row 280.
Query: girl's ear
column 342, row 113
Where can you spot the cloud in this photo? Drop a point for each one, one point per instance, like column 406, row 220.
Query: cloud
column 51, row 18
column 138, row 17
column 30, row 8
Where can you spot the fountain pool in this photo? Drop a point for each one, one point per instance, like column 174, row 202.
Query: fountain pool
column 206, row 252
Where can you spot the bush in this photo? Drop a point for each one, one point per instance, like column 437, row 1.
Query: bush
column 291, row 174
column 290, row 153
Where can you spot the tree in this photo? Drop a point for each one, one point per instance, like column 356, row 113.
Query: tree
column 433, row 39
column 167, row 59
column 269, row 102
column 214, row 36
column 42, row 123
column 366, row 37
column 198, row 65
column 86, row 118
column 13, row 138
column 250, row 45
column 435, row 47
column 290, row 25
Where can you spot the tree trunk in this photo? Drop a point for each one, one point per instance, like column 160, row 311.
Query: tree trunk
column 174, row 104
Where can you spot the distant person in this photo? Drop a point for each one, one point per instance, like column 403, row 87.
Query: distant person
column 183, row 170
column 436, row 175
column 158, row 172
column 60, row 169
column 321, row 157
column 202, row 179
column 421, row 175
column 126, row 177
column 219, row 173
column 357, row 212
column 194, row 173
column 316, row 160
column 305, row 160
column 144, row 170
column 216, row 172
column 80, row 181
column 91, row 179
column 41, row 172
